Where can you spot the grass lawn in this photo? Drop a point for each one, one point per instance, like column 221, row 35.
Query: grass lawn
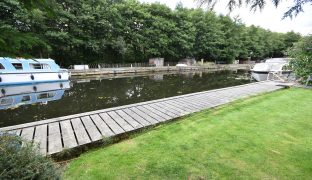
column 264, row 137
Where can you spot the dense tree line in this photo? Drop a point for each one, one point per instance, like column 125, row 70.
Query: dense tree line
column 88, row 31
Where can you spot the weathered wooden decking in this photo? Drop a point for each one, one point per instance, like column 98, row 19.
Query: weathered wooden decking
column 54, row 135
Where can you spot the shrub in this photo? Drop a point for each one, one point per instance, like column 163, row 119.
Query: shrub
column 21, row 160
column 301, row 53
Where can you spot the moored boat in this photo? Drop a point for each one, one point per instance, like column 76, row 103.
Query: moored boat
column 29, row 71
column 269, row 68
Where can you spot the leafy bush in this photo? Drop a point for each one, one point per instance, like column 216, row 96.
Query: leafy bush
column 301, row 53
column 21, row 160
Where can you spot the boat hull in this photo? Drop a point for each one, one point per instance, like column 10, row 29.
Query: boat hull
column 32, row 77
column 20, row 95
column 263, row 76
column 260, row 76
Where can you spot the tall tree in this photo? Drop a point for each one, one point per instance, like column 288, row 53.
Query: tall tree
column 16, row 33
column 301, row 53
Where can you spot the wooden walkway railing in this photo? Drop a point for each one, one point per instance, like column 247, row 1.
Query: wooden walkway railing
column 55, row 135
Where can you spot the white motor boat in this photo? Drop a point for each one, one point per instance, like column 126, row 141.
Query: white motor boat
column 29, row 71
column 270, row 68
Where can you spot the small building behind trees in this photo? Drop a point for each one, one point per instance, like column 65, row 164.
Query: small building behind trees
column 156, row 62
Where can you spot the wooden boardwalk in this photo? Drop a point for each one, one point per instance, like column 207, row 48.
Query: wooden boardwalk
column 57, row 134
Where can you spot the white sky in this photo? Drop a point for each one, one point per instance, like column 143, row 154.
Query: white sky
column 269, row 18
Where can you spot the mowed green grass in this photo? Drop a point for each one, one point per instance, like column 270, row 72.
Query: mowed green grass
column 264, row 137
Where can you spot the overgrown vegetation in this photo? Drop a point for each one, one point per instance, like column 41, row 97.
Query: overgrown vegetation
column 128, row 31
column 20, row 160
column 301, row 53
column 264, row 137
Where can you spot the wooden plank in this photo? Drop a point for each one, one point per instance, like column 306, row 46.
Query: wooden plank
column 233, row 96
column 68, row 135
column 27, row 133
column 41, row 138
column 215, row 100
column 228, row 94
column 54, row 138
column 150, row 114
column 196, row 101
column 105, row 130
column 111, row 123
column 16, row 132
column 163, row 110
column 179, row 111
column 204, row 101
column 186, row 106
column 80, row 131
column 137, row 117
column 181, row 106
column 129, row 119
column 122, row 123
column 208, row 100
column 236, row 91
column 171, row 107
column 144, row 116
column 189, row 102
column 228, row 97
column 93, row 132
column 164, row 116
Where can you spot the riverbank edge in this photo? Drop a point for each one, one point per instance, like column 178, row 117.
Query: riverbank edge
column 126, row 70
column 69, row 154
column 51, row 120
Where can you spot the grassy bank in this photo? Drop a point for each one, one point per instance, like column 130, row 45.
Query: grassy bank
column 268, row 136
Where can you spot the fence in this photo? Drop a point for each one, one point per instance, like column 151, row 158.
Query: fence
column 123, row 65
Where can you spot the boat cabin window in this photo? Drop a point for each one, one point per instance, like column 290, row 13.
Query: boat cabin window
column 45, row 95
column 1, row 66
column 18, row 66
column 6, row 102
column 25, row 98
column 39, row 66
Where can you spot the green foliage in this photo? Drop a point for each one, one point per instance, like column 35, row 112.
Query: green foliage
column 301, row 53
column 128, row 31
column 20, row 160
column 17, row 37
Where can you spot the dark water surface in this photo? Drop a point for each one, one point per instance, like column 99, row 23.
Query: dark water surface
column 102, row 92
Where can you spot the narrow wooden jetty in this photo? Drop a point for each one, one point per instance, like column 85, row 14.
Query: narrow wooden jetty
column 57, row 134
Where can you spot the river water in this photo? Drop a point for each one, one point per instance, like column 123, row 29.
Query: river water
column 22, row 104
